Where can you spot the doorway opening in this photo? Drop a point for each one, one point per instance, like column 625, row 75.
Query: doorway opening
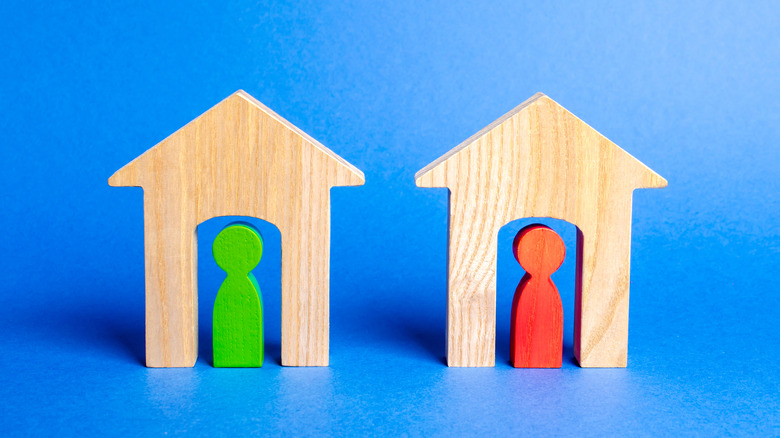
column 509, row 273
column 269, row 278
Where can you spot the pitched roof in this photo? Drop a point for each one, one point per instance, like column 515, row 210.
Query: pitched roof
column 123, row 175
column 655, row 179
column 298, row 131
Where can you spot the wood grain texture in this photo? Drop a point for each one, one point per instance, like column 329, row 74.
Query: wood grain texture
column 238, row 158
column 238, row 308
column 539, row 160
column 536, row 333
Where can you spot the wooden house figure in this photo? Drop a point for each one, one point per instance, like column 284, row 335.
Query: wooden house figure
column 539, row 160
column 238, row 158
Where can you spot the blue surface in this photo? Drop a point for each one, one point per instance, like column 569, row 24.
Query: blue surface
column 689, row 88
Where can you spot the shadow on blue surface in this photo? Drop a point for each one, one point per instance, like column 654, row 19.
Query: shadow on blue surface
column 97, row 330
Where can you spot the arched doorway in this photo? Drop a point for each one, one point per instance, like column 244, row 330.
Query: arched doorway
column 509, row 273
column 267, row 273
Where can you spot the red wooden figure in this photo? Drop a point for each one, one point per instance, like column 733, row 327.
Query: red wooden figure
column 537, row 312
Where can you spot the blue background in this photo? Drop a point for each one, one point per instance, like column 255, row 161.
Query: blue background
column 689, row 88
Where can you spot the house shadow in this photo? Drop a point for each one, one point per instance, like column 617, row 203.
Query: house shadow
column 103, row 328
column 417, row 332
column 111, row 330
column 427, row 335
column 130, row 337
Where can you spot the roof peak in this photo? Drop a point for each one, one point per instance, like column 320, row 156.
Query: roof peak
column 652, row 178
column 465, row 143
column 127, row 176
column 299, row 131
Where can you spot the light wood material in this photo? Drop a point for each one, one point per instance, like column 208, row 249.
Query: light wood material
column 539, row 160
column 238, row 158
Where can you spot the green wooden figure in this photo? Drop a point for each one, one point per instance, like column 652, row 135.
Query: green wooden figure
column 238, row 308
